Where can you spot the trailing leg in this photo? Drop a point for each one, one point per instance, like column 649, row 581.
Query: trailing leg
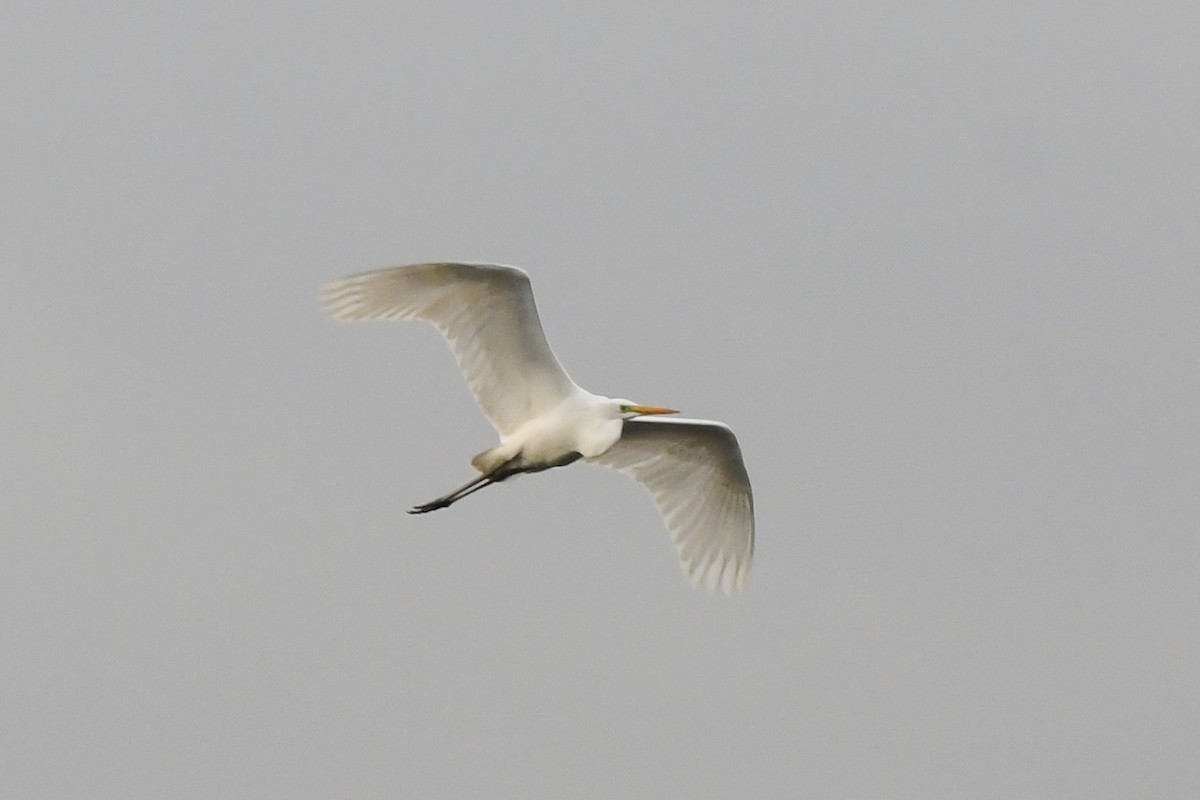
column 505, row 469
column 496, row 475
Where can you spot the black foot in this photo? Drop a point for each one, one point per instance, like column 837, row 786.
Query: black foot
column 432, row 505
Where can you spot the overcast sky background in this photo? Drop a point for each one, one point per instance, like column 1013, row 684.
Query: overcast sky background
column 937, row 264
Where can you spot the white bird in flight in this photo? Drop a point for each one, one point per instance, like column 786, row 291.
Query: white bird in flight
column 693, row 468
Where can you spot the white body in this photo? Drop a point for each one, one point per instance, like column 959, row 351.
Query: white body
column 579, row 424
column 693, row 468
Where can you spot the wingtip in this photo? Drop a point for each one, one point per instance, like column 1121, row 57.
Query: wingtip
column 727, row 575
column 340, row 299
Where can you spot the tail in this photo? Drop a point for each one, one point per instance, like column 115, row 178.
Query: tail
column 487, row 461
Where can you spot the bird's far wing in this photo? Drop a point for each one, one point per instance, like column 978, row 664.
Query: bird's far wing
column 694, row 470
column 487, row 314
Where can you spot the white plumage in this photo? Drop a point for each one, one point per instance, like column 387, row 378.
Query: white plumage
column 692, row 468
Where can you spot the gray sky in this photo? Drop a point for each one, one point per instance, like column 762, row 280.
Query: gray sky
column 937, row 265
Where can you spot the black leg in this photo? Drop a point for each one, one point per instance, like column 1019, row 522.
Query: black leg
column 470, row 487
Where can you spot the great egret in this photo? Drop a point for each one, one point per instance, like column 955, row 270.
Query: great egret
column 693, row 468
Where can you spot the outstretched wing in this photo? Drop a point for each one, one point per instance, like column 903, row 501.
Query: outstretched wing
column 693, row 469
column 487, row 314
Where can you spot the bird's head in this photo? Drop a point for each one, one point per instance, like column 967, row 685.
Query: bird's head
column 627, row 409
